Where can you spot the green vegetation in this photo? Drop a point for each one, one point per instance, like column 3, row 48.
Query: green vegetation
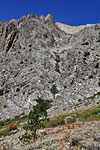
column 37, row 119
column 39, row 114
column 4, row 125
column 4, row 132
column 89, row 114
column 92, row 97
column 17, row 121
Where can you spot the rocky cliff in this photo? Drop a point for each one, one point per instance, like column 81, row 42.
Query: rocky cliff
column 37, row 58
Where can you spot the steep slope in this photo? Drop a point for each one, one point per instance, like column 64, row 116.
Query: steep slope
column 39, row 59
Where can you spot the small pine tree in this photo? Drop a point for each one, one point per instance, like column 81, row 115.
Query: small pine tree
column 37, row 119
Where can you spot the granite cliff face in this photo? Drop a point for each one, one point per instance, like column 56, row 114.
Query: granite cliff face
column 37, row 58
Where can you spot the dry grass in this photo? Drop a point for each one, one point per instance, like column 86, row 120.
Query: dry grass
column 55, row 122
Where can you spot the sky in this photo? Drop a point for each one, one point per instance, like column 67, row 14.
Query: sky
column 71, row 12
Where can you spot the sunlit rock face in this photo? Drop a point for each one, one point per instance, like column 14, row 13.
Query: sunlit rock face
column 37, row 58
column 72, row 29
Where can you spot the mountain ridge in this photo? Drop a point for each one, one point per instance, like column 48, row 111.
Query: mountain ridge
column 37, row 58
column 72, row 29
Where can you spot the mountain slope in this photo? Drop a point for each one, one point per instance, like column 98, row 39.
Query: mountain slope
column 39, row 59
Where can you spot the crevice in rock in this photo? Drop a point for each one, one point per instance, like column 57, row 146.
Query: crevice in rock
column 11, row 40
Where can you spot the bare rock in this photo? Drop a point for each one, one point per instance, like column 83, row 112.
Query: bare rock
column 35, row 55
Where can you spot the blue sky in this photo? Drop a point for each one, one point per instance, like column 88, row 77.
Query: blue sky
column 72, row 12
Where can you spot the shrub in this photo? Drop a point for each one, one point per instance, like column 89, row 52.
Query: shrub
column 37, row 118
column 25, row 127
column 12, row 127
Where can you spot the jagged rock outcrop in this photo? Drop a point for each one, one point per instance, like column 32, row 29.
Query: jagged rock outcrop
column 36, row 56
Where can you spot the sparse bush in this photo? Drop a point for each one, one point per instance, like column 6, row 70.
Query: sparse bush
column 12, row 127
column 25, row 127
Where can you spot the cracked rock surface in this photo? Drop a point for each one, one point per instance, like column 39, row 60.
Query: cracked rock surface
column 36, row 56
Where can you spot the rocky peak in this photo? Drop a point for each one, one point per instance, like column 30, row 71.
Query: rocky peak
column 50, row 19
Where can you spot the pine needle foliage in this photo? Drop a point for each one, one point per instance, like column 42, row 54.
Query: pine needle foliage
column 37, row 118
